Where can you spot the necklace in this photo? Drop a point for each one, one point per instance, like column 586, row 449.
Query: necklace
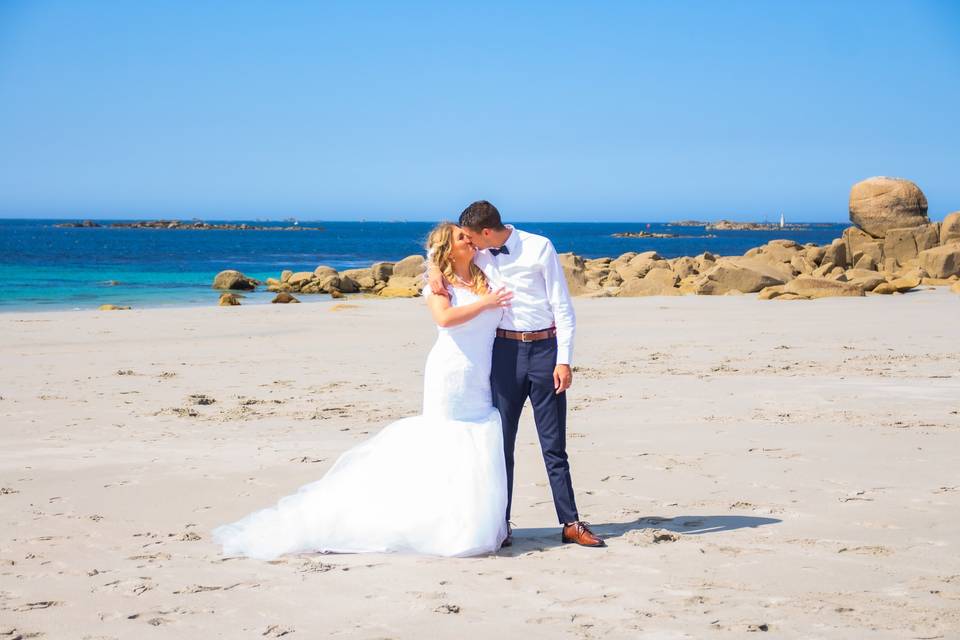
column 462, row 281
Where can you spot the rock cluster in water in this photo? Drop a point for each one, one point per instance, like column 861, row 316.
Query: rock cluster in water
column 403, row 279
column 729, row 225
column 194, row 225
column 643, row 234
column 892, row 248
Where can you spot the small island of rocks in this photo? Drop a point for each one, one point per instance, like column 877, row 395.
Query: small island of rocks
column 192, row 225
column 642, row 234
column 729, row 225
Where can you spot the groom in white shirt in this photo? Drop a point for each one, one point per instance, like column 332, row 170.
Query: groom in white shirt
column 532, row 351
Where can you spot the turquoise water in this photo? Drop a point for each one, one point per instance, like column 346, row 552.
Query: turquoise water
column 79, row 287
column 47, row 267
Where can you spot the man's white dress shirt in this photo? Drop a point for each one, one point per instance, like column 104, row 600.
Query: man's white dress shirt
column 541, row 298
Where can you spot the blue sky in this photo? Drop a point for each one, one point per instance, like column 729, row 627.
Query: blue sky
column 645, row 111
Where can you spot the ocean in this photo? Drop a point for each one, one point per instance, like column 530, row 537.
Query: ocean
column 49, row 267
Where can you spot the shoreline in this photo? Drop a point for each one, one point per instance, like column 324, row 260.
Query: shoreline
column 857, row 263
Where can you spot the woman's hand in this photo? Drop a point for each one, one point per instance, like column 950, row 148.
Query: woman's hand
column 499, row 298
column 436, row 282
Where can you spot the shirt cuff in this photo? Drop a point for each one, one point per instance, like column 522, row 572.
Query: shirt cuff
column 564, row 355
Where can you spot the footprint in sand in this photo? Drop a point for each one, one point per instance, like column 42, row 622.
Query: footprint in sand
column 42, row 604
column 860, row 495
column 647, row 537
column 199, row 588
column 13, row 633
column 870, row 550
column 276, row 631
column 312, row 566
column 132, row 587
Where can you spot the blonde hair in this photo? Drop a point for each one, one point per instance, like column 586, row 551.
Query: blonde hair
column 439, row 248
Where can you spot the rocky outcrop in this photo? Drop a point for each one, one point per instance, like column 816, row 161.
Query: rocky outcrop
column 381, row 271
column 898, row 285
column 742, row 276
column 893, row 249
column 811, row 287
column 574, row 270
column 941, row 262
column 902, row 246
column 635, row 265
column 950, row 228
column 112, row 307
column 358, row 279
column 783, row 251
column 410, row 267
column 300, row 278
column 231, row 279
column 863, row 250
column 656, row 282
column 684, row 266
column 229, row 300
column 864, row 278
column 284, row 298
column 881, row 203
column 402, row 287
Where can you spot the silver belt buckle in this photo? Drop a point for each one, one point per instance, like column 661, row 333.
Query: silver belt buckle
column 523, row 336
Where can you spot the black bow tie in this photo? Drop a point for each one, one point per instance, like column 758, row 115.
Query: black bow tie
column 502, row 250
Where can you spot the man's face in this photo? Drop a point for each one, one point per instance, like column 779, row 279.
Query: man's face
column 479, row 239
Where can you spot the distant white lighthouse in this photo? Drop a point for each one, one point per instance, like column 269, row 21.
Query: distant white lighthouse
column 781, row 220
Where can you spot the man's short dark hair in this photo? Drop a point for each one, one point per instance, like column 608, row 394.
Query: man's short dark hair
column 481, row 215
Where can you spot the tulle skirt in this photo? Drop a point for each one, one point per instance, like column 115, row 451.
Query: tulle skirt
column 424, row 484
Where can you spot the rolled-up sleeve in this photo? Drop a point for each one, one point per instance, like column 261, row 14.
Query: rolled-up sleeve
column 558, row 295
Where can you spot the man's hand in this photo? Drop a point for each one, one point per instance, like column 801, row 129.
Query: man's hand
column 562, row 378
column 438, row 284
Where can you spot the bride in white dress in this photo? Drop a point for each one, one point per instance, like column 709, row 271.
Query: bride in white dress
column 429, row 484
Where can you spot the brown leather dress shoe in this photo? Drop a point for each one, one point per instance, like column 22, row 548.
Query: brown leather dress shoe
column 508, row 541
column 579, row 533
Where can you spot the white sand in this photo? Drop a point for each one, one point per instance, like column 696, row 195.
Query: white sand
column 805, row 454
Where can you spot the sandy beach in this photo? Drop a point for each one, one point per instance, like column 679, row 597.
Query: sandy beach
column 755, row 466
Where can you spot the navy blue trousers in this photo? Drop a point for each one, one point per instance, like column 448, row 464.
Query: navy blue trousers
column 524, row 370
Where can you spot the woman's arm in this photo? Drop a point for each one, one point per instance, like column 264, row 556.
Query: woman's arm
column 435, row 280
column 446, row 315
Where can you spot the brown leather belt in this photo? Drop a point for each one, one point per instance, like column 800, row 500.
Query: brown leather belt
column 527, row 336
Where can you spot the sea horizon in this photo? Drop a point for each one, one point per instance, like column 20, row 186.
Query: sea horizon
column 400, row 219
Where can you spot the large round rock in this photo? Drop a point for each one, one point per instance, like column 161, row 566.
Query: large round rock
column 232, row 279
column 882, row 203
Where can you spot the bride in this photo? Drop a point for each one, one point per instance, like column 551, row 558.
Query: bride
column 430, row 484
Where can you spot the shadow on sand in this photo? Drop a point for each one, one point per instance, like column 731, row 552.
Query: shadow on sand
column 538, row 539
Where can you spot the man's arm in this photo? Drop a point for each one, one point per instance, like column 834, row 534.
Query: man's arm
column 435, row 280
column 558, row 295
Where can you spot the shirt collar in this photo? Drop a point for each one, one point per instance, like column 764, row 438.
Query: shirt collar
column 513, row 240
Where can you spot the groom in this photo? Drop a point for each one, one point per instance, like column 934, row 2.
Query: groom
column 531, row 354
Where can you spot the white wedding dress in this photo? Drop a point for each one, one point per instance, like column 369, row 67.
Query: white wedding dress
column 429, row 484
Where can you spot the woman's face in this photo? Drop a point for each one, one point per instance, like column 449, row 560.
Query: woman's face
column 462, row 250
